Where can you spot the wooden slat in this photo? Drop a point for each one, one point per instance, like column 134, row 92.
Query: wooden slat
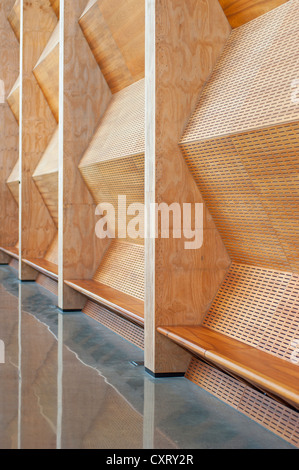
column 265, row 371
column 128, row 306
column 43, row 266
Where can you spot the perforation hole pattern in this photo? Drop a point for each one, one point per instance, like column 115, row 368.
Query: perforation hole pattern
column 274, row 416
column 123, row 269
column 259, row 307
column 114, row 322
column 251, row 84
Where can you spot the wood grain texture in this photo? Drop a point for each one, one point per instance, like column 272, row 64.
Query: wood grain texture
column 242, row 147
column 180, row 283
column 46, row 176
column 126, row 305
column 43, row 266
column 46, row 72
column 86, row 96
column 239, row 12
column 265, row 371
column 37, row 228
column 14, row 18
column 115, row 33
column 55, row 5
column 13, row 99
column 9, row 131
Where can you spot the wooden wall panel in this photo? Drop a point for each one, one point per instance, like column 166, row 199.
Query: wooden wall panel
column 14, row 17
column 115, row 33
column 180, row 283
column 9, row 131
column 85, row 98
column 38, row 124
column 46, row 72
column 242, row 146
column 239, row 12
column 13, row 99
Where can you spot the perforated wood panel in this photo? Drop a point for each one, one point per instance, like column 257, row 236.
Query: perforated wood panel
column 121, row 326
column 249, row 178
column 259, row 307
column 123, row 268
column 121, row 132
column 251, row 85
column 274, row 416
column 115, row 31
column 46, row 72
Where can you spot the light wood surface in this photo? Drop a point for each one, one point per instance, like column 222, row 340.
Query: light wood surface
column 13, row 99
column 11, row 251
column 181, row 284
column 267, row 372
column 114, row 30
column 43, row 266
column 9, row 131
column 128, row 306
column 55, row 5
column 46, row 72
column 84, row 98
column 14, row 17
column 37, row 228
column 239, row 12
column 46, row 176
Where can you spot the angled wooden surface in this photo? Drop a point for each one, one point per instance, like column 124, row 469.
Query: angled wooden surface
column 46, row 72
column 115, row 33
column 11, row 251
column 14, row 18
column 13, row 99
column 55, row 5
column 267, row 372
column 43, row 266
column 9, row 129
column 181, row 284
column 239, row 12
column 128, row 306
column 37, row 228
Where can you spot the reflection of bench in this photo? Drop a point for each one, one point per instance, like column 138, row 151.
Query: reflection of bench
column 272, row 375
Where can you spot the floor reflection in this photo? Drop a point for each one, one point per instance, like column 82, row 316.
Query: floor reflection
column 68, row 382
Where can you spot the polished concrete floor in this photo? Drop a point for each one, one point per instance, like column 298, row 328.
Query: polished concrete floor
column 68, row 382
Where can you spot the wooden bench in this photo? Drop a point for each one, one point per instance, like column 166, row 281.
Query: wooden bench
column 126, row 305
column 275, row 376
column 11, row 251
column 44, row 267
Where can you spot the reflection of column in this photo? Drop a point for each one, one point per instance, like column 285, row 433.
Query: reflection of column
column 59, row 381
column 149, row 414
column 20, row 368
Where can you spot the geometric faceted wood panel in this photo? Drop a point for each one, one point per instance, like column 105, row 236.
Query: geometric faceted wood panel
column 46, row 72
column 241, row 144
column 258, row 307
column 46, row 177
column 13, row 99
column 14, row 19
column 116, row 35
column 123, row 269
column 13, row 182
